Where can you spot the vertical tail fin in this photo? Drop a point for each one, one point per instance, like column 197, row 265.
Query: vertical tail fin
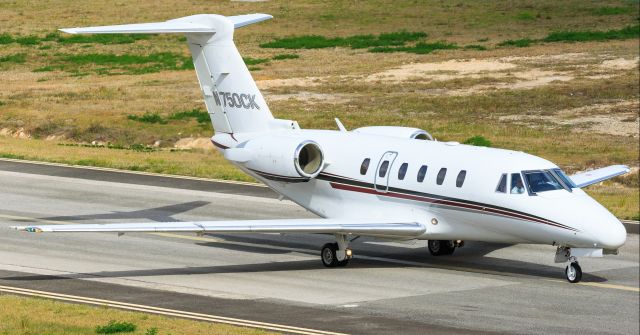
column 233, row 100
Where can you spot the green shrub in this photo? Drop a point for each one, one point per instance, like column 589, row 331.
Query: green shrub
column 15, row 58
column 627, row 32
column 116, row 327
column 196, row 113
column 419, row 48
column 255, row 61
column 475, row 47
column 6, row 39
column 478, row 140
column 521, row 43
column 147, row 118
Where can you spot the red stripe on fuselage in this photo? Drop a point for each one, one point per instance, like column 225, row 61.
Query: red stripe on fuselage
column 446, row 203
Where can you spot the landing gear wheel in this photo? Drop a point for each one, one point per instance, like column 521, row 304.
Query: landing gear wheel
column 441, row 247
column 328, row 255
column 573, row 272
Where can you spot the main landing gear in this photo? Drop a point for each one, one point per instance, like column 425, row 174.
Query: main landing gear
column 336, row 254
column 443, row 247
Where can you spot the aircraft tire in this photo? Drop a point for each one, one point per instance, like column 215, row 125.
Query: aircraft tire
column 328, row 255
column 573, row 272
column 440, row 247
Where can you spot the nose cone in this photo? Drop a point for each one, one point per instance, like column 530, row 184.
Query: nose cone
column 613, row 236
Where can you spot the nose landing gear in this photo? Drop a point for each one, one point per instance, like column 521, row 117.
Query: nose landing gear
column 573, row 271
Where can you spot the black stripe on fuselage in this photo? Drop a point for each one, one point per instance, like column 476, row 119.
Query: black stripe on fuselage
column 364, row 187
column 276, row 177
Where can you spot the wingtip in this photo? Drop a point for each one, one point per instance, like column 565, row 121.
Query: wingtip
column 29, row 229
column 69, row 30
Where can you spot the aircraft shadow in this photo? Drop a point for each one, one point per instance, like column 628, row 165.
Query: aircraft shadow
column 467, row 262
column 159, row 214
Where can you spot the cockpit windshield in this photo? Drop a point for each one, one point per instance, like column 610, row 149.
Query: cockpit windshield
column 541, row 181
column 564, row 178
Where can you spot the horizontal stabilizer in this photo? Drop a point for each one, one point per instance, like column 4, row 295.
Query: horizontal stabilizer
column 201, row 23
column 584, row 179
column 313, row 226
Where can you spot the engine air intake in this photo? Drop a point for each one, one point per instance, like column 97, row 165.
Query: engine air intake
column 308, row 159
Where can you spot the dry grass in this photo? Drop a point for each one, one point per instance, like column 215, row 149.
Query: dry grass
column 24, row 316
column 544, row 102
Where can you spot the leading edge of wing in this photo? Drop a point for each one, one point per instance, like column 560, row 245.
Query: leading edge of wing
column 595, row 176
column 311, row 226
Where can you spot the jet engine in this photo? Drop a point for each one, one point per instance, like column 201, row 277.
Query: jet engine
column 280, row 157
column 402, row 132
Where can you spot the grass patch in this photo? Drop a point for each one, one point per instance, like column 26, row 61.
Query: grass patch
column 114, row 327
column 26, row 315
column 28, row 40
column 285, row 56
column 525, row 16
column 15, row 58
column 521, row 43
column 110, row 64
column 99, row 38
column 148, row 118
column 627, row 32
column 478, row 141
column 601, row 11
column 354, row 42
column 419, row 48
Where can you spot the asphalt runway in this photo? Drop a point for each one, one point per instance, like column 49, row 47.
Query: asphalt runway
column 387, row 288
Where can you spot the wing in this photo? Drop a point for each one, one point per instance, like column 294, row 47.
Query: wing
column 595, row 176
column 320, row 226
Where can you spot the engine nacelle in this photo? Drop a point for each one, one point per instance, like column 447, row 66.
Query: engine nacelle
column 402, row 132
column 280, row 157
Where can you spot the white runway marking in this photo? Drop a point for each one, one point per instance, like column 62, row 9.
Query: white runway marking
column 165, row 311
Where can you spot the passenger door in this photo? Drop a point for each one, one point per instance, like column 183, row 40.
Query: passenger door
column 381, row 181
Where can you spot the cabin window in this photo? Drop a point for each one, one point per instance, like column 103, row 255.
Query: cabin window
column 460, row 179
column 517, row 187
column 383, row 169
column 402, row 171
column 422, row 173
column 541, row 181
column 365, row 166
column 502, row 184
column 441, row 174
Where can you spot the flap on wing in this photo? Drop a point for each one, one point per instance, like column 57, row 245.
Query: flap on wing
column 316, row 226
column 595, row 176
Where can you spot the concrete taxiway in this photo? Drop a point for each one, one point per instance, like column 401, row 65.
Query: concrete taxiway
column 388, row 287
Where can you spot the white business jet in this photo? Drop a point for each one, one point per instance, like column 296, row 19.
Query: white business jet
column 392, row 183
